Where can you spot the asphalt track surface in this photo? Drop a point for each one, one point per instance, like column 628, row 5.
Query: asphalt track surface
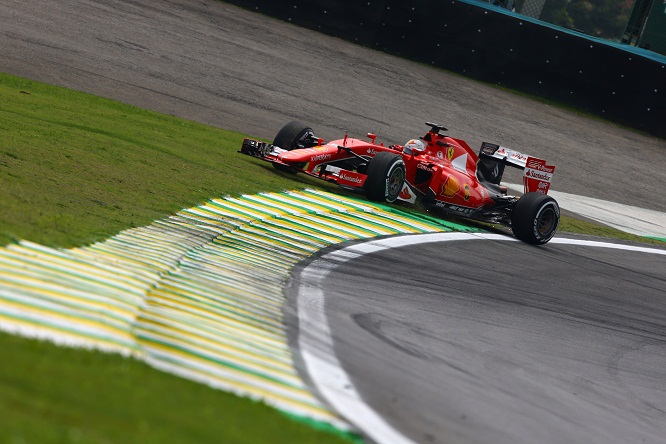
column 497, row 341
column 503, row 343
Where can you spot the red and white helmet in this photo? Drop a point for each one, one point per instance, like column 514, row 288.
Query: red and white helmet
column 414, row 146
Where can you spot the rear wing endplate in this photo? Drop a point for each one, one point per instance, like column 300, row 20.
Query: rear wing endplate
column 537, row 175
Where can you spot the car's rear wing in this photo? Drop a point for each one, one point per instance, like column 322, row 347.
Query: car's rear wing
column 493, row 158
column 504, row 154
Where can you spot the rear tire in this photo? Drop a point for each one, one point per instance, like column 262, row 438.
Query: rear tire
column 535, row 218
column 386, row 177
column 289, row 138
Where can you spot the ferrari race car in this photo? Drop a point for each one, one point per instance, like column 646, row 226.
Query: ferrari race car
column 441, row 171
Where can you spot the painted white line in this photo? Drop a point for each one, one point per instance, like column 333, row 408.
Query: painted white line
column 629, row 219
column 607, row 245
column 316, row 343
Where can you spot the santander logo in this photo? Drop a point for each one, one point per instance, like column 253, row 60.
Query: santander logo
column 349, row 178
column 541, row 176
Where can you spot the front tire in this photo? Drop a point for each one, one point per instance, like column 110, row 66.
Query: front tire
column 292, row 136
column 535, row 218
column 386, row 177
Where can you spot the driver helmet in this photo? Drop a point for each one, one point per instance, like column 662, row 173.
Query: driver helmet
column 414, row 146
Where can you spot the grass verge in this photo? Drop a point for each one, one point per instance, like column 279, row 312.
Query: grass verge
column 76, row 169
column 579, row 226
column 50, row 394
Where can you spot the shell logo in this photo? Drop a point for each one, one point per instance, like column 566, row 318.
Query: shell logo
column 450, row 187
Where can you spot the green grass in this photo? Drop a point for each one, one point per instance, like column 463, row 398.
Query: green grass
column 578, row 226
column 76, row 169
column 50, row 394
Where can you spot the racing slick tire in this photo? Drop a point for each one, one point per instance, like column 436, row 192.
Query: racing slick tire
column 386, row 177
column 288, row 138
column 535, row 218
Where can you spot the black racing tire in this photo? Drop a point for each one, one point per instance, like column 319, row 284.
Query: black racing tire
column 535, row 218
column 386, row 177
column 288, row 138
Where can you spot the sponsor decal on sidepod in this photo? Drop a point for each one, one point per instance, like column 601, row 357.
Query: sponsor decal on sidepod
column 450, row 187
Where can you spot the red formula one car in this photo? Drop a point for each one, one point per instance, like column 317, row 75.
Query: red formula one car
column 441, row 171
